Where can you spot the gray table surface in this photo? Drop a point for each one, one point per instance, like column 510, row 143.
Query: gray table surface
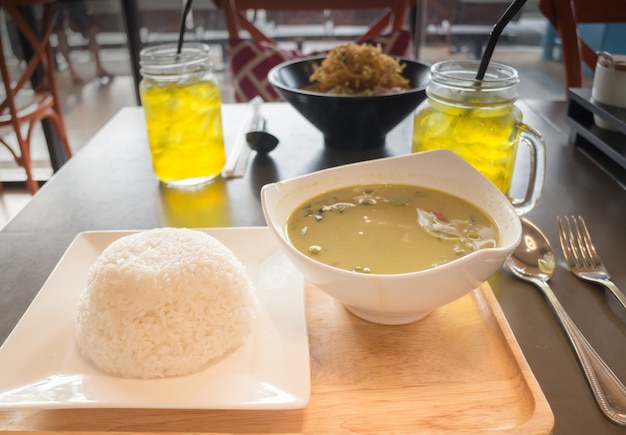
column 109, row 185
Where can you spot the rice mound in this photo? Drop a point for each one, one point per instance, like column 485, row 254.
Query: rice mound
column 163, row 302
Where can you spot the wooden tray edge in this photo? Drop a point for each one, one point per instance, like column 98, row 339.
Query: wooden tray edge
column 542, row 420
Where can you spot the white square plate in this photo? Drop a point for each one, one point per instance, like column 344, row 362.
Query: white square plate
column 42, row 368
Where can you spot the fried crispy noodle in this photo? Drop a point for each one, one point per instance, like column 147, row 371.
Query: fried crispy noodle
column 358, row 69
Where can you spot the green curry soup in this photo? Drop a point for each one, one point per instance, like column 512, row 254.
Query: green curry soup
column 389, row 228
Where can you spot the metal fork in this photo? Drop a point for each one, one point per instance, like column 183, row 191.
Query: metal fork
column 581, row 255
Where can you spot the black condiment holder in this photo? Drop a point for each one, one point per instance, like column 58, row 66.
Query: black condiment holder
column 607, row 148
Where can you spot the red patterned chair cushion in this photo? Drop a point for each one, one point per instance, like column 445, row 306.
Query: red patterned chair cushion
column 250, row 61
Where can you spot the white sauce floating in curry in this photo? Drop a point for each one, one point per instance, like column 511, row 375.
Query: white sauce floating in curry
column 389, row 228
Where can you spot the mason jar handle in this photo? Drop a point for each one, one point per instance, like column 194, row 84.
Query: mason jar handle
column 537, row 150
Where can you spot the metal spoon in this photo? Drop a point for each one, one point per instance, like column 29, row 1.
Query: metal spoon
column 533, row 261
column 259, row 139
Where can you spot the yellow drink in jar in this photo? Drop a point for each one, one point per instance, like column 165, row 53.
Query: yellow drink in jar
column 484, row 135
column 185, row 133
column 474, row 115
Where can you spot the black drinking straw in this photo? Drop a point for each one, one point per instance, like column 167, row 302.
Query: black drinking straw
column 495, row 34
column 181, row 32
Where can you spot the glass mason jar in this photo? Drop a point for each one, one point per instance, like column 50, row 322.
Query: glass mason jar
column 182, row 105
column 479, row 121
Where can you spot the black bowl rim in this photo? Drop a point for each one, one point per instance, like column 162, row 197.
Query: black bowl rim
column 274, row 71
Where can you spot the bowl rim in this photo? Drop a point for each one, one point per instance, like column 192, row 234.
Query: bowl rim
column 273, row 74
column 283, row 239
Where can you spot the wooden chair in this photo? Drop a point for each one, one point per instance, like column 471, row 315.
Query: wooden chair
column 393, row 14
column 564, row 16
column 31, row 96
column 251, row 58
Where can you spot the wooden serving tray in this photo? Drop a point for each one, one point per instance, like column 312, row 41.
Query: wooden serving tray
column 459, row 369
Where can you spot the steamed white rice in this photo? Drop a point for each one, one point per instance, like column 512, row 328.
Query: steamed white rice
column 163, row 302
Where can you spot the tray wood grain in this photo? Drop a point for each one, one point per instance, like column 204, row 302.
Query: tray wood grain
column 459, row 370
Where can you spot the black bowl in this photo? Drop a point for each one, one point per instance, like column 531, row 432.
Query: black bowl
column 349, row 122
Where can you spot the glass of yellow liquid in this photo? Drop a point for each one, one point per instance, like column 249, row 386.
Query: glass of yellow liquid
column 182, row 107
column 478, row 120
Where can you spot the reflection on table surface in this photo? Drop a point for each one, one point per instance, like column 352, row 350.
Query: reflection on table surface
column 109, row 185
